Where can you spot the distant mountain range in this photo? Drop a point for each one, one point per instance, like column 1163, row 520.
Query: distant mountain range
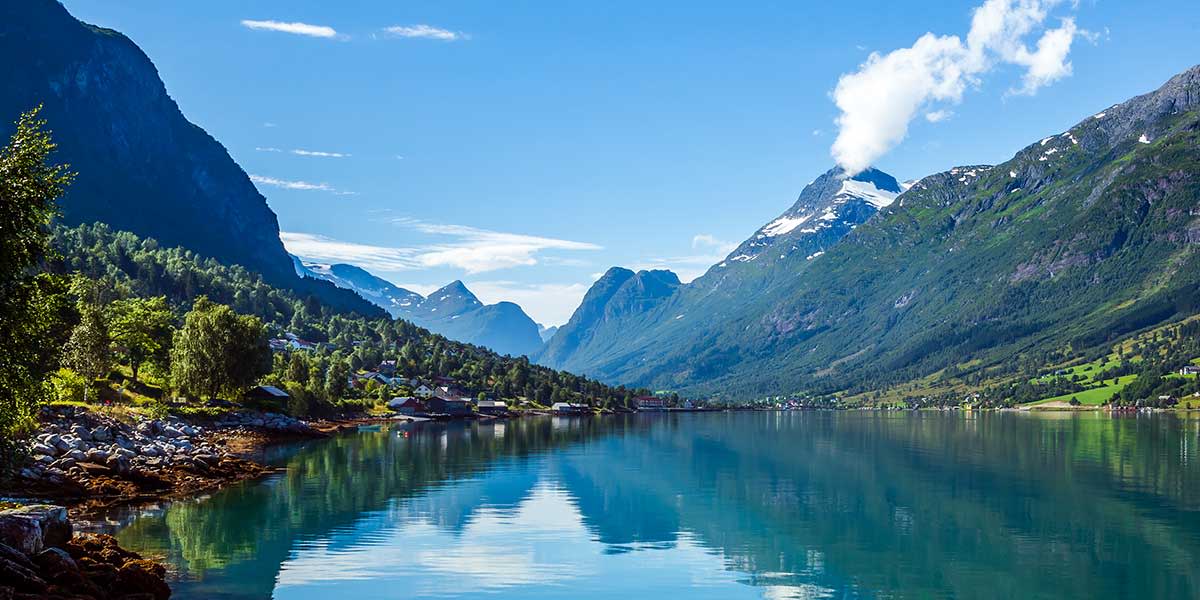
column 142, row 166
column 452, row 311
column 1081, row 237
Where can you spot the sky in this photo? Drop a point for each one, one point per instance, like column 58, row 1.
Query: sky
column 526, row 147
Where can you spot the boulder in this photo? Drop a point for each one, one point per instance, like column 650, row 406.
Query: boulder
column 76, row 455
column 97, row 455
column 102, row 433
column 81, row 432
column 52, row 524
column 21, row 579
column 21, row 533
column 41, row 449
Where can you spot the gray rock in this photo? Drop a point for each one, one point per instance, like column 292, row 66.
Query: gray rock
column 43, row 449
column 76, row 455
column 81, row 432
column 102, row 434
column 29, row 529
column 97, row 455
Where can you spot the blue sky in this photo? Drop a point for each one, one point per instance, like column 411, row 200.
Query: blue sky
column 525, row 147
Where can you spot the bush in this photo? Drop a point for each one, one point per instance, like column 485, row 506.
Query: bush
column 68, row 385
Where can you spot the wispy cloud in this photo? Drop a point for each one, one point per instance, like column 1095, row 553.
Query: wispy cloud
column 326, row 249
column 480, row 250
column 318, row 31
column 469, row 249
column 320, row 154
column 425, row 32
column 937, row 116
column 267, row 149
column 878, row 101
column 299, row 185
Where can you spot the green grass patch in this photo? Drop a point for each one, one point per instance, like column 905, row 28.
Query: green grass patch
column 1091, row 397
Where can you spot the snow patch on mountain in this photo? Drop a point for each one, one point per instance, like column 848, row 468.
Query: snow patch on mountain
column 865, row 190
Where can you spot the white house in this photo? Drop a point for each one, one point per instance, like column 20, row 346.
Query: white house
column 423, row 391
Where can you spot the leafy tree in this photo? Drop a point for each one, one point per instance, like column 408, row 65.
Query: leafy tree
column 89, row 349
column 218, row 351
column 336, row 378
column 142, row 328
column 32, row 305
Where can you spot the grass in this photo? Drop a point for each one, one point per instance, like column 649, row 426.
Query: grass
column 1092, row 397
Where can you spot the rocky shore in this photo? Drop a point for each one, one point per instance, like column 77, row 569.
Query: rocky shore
column 89, row 460
column 40, row 558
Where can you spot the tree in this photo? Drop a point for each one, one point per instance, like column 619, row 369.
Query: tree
column 141, row 329
column 336, row 378
column 33, row 305
column 218, row 351
column 89, row 350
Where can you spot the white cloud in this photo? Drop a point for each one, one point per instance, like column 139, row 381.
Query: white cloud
column 480, row 250
column 326, row 249
column 937, row 116
column 547, row 303
column 268, row 149
column 291, row 185
column 878, row 101
column 319, row 31
column 319, row 153
column 426, row 32
column 470, row 249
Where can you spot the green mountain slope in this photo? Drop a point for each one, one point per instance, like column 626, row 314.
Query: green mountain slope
column 827, row 210
column 1078, row 239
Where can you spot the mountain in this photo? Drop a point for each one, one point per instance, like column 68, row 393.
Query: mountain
column 1080, row 238
column 618, row 296
column 452, row 311
column 142, row 166
column 827, row 209
column 376, row 290
column 547, row 332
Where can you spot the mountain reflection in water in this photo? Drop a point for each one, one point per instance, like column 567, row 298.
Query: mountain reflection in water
column 729, row 505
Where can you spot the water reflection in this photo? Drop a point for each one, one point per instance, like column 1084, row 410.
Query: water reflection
column 738, row 505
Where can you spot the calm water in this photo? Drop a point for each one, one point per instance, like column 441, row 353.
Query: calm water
column 742, row 505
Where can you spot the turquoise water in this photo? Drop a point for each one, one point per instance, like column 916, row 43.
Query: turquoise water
column 727, row 505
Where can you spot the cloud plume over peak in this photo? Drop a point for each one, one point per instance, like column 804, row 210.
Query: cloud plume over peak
column 880, row 100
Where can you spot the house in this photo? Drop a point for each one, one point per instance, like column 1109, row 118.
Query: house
column 423, row 391
column 266, row 392
column 650, row 403
column 569, row 408
column 407, row 406
column 455, row 407
column 387, row 367
column 451, row 391
column 278, row 345
column 492, row 407
column 1190, row 370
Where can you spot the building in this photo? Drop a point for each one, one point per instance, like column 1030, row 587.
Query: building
column 423, row 391
column 569, row 408
column 454, row 407
column 387, row 367
column 266, row 392
column 1190, row 370
column 495, row 408
column 407, row 406
column 650, row 403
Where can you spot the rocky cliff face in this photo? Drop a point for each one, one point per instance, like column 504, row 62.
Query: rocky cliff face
column 142, row 166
